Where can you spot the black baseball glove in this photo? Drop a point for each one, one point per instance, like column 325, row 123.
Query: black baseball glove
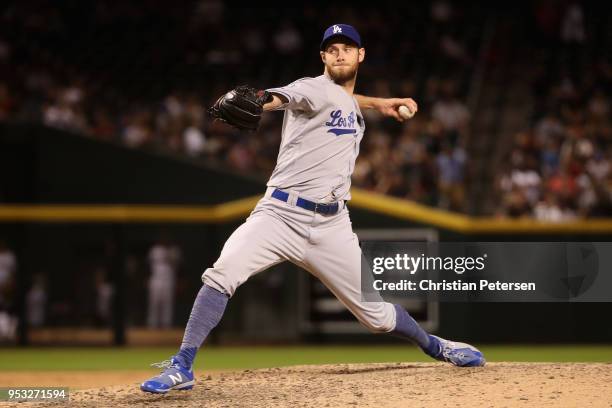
column 241, row 107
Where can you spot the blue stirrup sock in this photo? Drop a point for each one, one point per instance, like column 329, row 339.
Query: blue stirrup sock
column 210, row 304
column 407, row 328
column 206, row 313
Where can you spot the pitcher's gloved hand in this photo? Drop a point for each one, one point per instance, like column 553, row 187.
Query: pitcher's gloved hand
column 241, row 107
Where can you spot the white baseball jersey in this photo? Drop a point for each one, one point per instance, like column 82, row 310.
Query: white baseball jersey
column 164, row 261
column 322, row 129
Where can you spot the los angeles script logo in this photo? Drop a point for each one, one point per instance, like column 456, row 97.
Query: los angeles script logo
column 341, row 125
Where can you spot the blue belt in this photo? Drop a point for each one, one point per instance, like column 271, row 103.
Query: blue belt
column 327, row 209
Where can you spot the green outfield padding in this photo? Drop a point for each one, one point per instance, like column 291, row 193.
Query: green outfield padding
column 228, row 358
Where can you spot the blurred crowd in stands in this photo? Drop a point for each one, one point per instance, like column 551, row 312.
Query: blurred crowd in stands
column 560, row 167
column 122, row 80
column 142, row 75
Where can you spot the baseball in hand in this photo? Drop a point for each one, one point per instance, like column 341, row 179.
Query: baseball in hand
column 405, row 112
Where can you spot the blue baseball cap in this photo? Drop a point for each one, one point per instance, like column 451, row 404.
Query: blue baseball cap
column 341, row 30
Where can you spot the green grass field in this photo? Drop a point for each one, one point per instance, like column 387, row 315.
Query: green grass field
column 228, row 358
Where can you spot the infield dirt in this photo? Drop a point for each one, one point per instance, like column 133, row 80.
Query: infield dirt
column 349, row 385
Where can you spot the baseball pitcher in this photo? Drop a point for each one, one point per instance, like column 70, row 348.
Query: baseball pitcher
column 303, row 217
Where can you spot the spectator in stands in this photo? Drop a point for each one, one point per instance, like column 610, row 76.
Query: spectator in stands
column 452, row 114
column 549, row 210
column 516, row 204
column 602, row 206
column 137, row 131
column 194, row 141
column 451, row 167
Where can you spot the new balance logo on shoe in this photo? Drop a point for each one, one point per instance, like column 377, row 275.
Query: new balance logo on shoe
column 176, row 379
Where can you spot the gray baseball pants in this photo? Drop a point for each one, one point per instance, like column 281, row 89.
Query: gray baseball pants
column 324, row 245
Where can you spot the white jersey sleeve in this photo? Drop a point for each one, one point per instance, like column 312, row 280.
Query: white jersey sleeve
column 306, row 94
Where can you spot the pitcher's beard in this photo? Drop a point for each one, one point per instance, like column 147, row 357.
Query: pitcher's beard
column 342, row 77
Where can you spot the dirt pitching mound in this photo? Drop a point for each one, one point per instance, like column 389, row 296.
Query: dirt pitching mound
column 377, row 385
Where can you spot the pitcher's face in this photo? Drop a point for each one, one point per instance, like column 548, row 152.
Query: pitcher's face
column 341, row 59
